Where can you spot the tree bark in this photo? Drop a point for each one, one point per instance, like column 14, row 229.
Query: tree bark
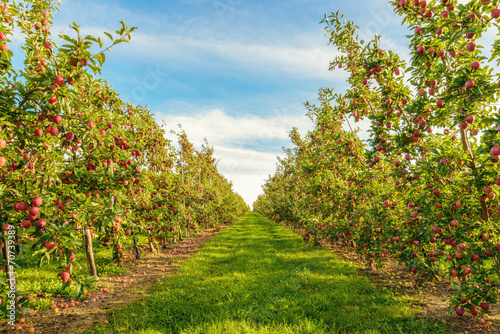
column 137, row 251
column 151, row 245
column 87, row 237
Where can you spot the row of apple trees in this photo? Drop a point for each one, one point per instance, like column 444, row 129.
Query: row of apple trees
column 77, row 163
column 423, row 187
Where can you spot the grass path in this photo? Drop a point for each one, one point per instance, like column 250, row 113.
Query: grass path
column 258, row 277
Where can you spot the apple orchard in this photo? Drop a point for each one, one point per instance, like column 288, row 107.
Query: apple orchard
column 81, row 167
column 423, row 188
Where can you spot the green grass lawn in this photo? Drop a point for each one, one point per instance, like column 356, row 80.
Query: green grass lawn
column 258, row 277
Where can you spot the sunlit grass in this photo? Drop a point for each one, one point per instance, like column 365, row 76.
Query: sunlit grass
column 258, row 277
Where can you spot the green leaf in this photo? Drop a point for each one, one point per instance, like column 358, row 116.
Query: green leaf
column 455, row 285
column 109, row 35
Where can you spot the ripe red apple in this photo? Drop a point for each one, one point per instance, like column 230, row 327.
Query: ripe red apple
column 475, row 65
column 38, row 133
column 461, row 246
column 37, row 201
column 3, row 161
column 41, row 222
column 471, row 46
column 33, row 211
column 3, row 143
column 485, row 306
column 54, row 131
column 495, row 150
column 22, row 206
column 26, row 224
column 59, row 80
column 50, row 245
column 470, row 119
column 64, row 276
column 437, row 192
column 53, row 100
column 495, row 13
column 469, row 84
column 69, row 136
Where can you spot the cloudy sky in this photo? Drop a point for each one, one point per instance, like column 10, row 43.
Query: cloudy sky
column 234, row 71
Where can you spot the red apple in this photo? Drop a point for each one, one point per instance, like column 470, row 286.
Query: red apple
column 69, row 136
column 471, row 46
column 41, row 222
column 37, row 201
column 33, row 211
column 470, row 119
column 64, row 276
column 54, row 131
column 495, row 150
column 59, row 80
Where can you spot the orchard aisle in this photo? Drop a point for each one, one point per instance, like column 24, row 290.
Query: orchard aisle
column 258, row 277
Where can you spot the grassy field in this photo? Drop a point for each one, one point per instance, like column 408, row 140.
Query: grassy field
column 258, row 277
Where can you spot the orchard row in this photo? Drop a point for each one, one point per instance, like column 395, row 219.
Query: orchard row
column 78, row 163
column 424, row 186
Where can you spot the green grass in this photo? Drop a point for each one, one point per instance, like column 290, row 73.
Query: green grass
column 258, row 277
column 31, row 279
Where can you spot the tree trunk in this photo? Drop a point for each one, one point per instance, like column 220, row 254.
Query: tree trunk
column 87, row 237
column 137, row 251
column 180, row 234
column 151, row 245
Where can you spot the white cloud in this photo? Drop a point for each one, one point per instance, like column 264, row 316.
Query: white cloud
column 300, row 59
column 220, row 128
column 246, row 166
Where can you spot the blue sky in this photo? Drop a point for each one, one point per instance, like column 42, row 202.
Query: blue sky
column 234, row 71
